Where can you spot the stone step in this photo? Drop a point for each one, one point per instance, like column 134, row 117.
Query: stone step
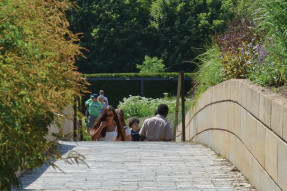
column 137, row 166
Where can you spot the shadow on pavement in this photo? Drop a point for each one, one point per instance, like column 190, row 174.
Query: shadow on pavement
column 32, row 175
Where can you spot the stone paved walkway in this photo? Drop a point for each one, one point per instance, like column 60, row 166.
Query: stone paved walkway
column 131, row 166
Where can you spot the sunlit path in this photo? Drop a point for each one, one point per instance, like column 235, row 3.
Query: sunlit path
column 138, row 166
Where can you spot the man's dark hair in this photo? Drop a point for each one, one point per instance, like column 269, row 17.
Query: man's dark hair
column 156, row 112
column 133, row 120
column 162, row 109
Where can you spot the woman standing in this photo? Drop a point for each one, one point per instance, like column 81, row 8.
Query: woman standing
column 121, row 117
column 103, row 101
column 108, row 127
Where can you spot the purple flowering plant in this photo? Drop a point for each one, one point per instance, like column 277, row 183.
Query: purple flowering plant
column 240, row 48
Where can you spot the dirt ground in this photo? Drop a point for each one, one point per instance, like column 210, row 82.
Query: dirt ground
column 280, row 90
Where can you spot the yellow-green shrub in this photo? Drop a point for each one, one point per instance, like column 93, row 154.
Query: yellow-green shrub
column 37, row 80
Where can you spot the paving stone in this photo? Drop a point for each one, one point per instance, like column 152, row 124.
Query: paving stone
column 137, row 166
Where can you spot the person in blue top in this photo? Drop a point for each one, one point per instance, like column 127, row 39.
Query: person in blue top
column 102, row 93
column 134, row 125
column 94, row 107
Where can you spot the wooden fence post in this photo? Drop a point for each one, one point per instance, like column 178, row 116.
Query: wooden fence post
column 177, row 106
column 182, row 106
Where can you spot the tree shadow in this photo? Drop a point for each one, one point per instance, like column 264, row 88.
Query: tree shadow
column 31, row 175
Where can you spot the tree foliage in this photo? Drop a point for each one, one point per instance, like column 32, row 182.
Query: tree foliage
column 118, row 34
column 38, row 80
column 115, row 32
column 184, row 27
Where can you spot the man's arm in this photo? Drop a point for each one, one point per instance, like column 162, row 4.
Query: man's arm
column 168, row 132
column 106, row 99
column 142, row 132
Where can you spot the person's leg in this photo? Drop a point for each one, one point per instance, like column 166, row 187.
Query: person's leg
column 88, row 123
column 86, row 116
column 92, row 120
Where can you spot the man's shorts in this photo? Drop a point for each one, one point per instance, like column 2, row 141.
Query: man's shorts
column 91, row 121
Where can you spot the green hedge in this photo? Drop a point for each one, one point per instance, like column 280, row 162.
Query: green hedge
column 137, row 75
column 115, row 91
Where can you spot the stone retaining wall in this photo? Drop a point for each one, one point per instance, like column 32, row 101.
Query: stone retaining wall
column 248, row 125
column 67, row 127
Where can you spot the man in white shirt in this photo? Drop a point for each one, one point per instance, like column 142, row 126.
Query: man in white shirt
column 157, row 128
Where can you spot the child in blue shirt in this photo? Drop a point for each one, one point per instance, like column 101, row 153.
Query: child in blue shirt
column 134, row 125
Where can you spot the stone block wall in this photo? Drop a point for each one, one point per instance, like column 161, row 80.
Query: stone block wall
column 247, row 124
column 66, row 124
column 66, row 129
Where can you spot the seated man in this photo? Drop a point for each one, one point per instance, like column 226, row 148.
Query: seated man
column 157, row 128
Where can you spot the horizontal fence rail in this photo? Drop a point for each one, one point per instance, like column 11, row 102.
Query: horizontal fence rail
column 142, row 79
column 133, row 79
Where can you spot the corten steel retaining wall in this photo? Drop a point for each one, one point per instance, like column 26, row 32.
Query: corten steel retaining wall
column 248, row 125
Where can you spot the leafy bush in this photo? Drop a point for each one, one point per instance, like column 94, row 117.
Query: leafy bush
column 274, row 21
column 257, row 51
column 151, row 65
column 86, row 135
column 272, row 17
column 136, row 106
column 269, row 74
column 237, row 49
column 271, row 69
column 253, row 47
column 37, row 81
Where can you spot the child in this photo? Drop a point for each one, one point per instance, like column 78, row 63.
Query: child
column 134, row 124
